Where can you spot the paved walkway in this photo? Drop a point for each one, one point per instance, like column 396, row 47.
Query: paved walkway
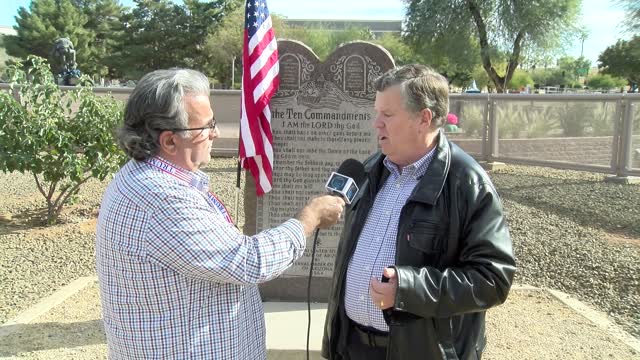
column 532, row 324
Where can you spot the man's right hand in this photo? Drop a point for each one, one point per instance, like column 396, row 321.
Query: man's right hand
column 321, row 212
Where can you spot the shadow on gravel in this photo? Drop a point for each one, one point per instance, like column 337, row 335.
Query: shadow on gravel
column 37, row 219
column 23, row 221
column 25, row 338
column 606, row 206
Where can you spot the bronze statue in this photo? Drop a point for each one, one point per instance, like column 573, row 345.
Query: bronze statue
column 64, row 52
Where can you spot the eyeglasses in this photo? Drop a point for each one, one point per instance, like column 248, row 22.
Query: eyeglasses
column 211, row 125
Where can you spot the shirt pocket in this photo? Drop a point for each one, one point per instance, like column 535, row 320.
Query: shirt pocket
column 425, row 236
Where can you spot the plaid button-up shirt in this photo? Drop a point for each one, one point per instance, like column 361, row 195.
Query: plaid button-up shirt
column 177, row 281
column 376, row 247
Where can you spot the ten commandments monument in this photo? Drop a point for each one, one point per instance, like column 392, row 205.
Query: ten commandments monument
column 321, row 115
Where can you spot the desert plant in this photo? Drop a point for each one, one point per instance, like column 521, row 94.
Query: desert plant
column 62, row 138
column 539, row 122
column 471, row 119
column 511, row 122
column 603, row 120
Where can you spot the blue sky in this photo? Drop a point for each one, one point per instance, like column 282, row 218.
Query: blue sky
column 601, row 17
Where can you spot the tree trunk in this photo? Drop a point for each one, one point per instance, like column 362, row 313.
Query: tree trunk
column 499, row 81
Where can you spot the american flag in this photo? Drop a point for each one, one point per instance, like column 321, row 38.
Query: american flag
column 259, row 83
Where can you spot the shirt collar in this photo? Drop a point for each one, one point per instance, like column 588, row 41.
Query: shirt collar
column 199, row 179
column 415, row 170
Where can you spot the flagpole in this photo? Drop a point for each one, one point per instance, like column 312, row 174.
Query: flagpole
column 239, row 169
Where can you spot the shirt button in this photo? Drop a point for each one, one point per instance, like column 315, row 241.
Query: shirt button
column 368, row 268
column 361, row 297
column 398, row 186
column 387, row 212
column 401, row 304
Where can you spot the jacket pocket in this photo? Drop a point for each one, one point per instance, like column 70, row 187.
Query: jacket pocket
column 425, row 236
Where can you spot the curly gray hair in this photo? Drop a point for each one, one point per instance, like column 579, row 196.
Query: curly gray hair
column 157, row 103
column 421, row 88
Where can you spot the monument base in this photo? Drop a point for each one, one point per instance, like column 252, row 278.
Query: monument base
column 624, row 180
column 493, row 165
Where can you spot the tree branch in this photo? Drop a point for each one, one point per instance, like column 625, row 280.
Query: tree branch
column 515, row 57
column 39, row 185
column 484, row 44
column 52, row 189
column 60, row 201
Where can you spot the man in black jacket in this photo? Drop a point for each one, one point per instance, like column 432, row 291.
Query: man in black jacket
column 425, row 249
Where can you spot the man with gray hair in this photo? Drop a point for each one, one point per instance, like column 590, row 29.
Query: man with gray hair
column 425, row 249
column 177, row 278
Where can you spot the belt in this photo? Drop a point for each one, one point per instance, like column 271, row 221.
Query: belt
column 370, row 337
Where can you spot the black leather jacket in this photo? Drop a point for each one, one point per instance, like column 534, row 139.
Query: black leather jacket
column 454, row 260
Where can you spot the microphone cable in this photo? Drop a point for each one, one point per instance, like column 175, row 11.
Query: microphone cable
column 313, row 255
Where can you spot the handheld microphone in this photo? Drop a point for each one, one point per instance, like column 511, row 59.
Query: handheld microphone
column 346, row 180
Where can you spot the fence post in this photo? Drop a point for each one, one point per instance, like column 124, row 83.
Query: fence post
column 493, row 133
column 627, row 140
column 624, row 144
column 617, row 135
column 485, row 129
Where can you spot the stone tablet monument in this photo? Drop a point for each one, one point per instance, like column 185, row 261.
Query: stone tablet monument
column 321, row 115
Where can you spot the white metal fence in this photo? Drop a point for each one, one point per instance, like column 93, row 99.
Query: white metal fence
column 599, row 133
column 589, row 132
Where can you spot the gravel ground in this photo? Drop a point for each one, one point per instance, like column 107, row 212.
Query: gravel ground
column 35, row 261
column 575, row 233
column 571, row 232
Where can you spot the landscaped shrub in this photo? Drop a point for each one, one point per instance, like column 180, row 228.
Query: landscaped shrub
column 62, row 138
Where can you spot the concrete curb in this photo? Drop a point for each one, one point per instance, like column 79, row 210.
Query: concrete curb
column 598, row 318
column 46, row 304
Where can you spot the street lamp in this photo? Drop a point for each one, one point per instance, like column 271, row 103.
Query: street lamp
column 233, row 71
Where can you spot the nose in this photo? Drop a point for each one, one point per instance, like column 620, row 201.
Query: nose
column 377, row 121
column 214, row 133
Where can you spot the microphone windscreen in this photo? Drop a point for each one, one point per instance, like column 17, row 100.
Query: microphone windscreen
column 353, row 169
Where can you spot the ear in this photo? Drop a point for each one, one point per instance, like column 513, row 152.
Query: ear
column 166, row 140
column 426, row 116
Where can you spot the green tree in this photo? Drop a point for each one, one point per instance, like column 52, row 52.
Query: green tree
column 4, row 58
column 162, row 34
column 605, row 82
column 314, row 38
column 105, row 22
column 632, row 15
column 520, row 79
column 323, row 40
column 400, row 51
column 573, row 68
column 352, row 33
column 225, row 44
column 92, row 26
column 455, row 56
column 550, row 77
column 62, row 139
column 622, row 60
column 500, row 27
